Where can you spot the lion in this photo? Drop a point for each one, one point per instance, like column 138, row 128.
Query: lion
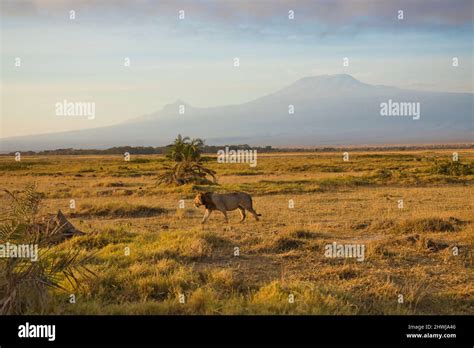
column 225, row 202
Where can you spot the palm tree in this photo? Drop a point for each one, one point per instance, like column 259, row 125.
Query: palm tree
column 25, row 283
column 186, row 153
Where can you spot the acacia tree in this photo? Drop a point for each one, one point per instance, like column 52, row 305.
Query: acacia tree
column 187, row 168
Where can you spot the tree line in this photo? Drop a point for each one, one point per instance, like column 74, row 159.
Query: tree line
column 212, row 149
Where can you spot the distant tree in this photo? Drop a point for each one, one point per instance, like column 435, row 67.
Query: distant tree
column 186, row 153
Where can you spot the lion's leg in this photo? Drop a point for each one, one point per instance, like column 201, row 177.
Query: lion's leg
column 206, row 215
column 225, row 215
column 254, row 213
column 242, row 214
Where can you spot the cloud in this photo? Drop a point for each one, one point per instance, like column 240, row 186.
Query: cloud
column 374, row 13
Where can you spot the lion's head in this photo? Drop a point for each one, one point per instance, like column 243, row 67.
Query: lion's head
column 199, row 200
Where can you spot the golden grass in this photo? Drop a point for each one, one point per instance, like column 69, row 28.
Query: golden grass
column 149, row 251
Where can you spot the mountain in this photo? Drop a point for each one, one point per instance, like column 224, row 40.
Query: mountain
column 328, row 110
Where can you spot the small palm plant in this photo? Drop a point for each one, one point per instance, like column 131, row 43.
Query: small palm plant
column 186, row 153
column 25, row 283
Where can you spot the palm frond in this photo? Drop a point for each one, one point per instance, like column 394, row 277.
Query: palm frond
column 24, row 283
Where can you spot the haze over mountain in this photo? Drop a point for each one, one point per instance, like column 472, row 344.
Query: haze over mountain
column 328, row 110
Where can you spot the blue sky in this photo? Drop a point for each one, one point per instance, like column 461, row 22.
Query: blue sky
column 192, row 59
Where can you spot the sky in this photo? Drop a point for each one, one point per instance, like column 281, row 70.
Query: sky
column 192, row 59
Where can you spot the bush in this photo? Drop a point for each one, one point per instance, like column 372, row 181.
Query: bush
column 453, row 168
column 25, row 283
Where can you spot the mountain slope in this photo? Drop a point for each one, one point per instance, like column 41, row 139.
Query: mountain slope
column 328, row 110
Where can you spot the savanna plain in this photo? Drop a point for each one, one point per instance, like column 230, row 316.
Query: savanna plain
column 148, row 252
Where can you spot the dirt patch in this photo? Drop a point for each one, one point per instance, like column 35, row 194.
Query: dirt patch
column 283, row 244
column 119, row 211
column 435, row 246
column 302, row 234
column 422, row 225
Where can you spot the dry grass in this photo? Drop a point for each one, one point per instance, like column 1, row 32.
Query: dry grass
column 149, row 251
column 117, row 210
